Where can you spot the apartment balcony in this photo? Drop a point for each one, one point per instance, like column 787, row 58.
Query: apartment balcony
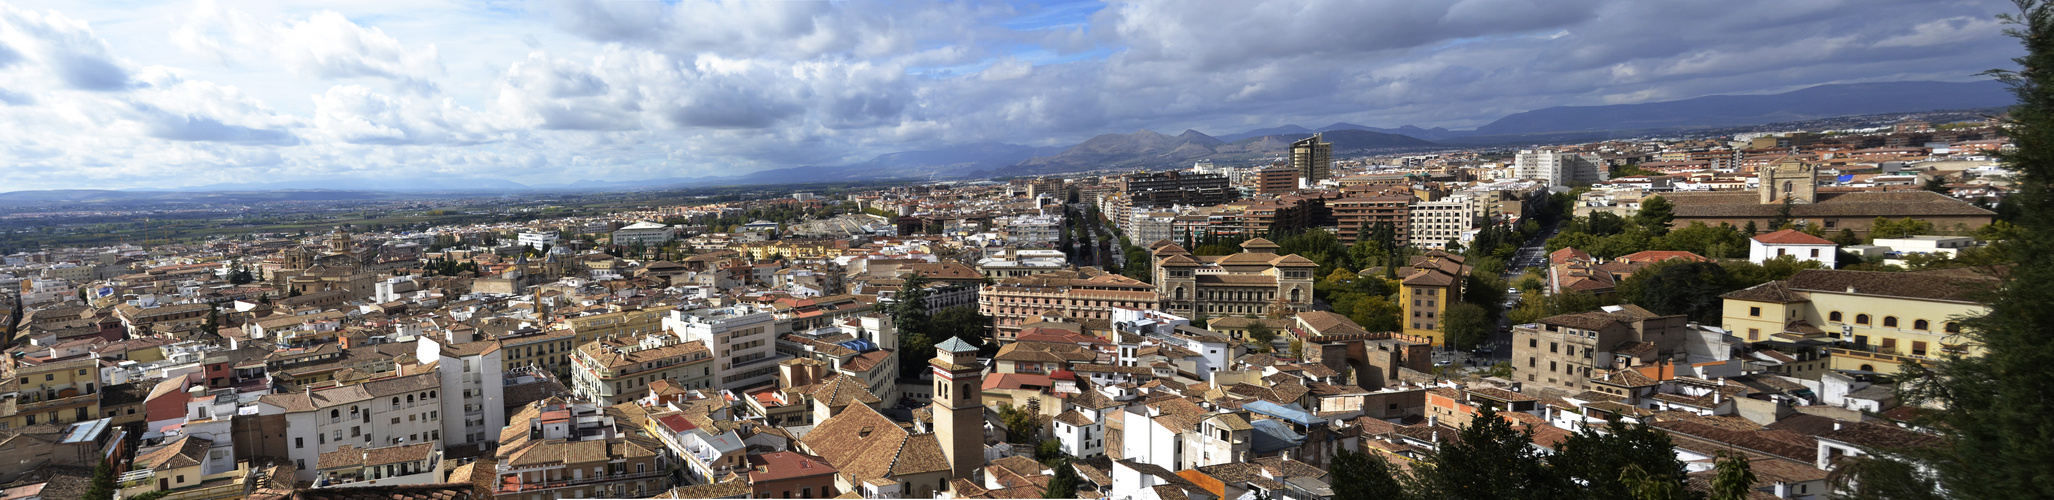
column 26, row 406
column 514, row 484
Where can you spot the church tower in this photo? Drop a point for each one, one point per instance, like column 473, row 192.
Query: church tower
column 1790, row 178
column 958, row 408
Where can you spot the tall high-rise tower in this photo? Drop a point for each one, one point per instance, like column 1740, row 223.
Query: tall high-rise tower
column 1311, row 157
column 958, row 409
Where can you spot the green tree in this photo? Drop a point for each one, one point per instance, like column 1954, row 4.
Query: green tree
column 1490, row 460
column 1655, row 215
column 1466, row 325
column 1995, row 429
column 1596, row 459
column 103, row 486
column 1022, row 425
column 1676, row 287
column 1049, row 452
column 1733, row 479
column 1365, row 475
column 1261, row 335
column 1064, row 484
column 915, row 324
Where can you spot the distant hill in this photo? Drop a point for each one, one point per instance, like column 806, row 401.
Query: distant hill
column 1822, row 101
column 1287, row 129
column 400, row 185
column 943, row 163
column 1148, row 148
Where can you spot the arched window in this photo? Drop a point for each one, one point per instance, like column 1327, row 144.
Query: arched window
column 395, row 401
column 1180, row 293
column 1833, row 317
column 1921, row 325
column 1861, row 319
column 1890, row 322
column 1952, row 327
column 1786, row 188
column 1295, row 295
column 1868, row 368
column 334, row 413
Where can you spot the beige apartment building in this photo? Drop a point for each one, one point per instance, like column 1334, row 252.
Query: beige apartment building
column 1876, row 321
column 1567, row 351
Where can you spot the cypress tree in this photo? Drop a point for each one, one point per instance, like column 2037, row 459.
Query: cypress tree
column 1997, row 430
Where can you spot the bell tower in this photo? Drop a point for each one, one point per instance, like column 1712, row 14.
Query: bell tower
column 1788, row 178
column 958, row 408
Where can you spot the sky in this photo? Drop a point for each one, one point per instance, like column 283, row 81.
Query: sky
column 124, row 94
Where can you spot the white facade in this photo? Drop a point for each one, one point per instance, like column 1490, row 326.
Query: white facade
column 1032, row 230
column 374, row 414
column 743, row 341
column 1435, row 222
column 537, row 240
column 647, row 233
column 1760, row 252
column 1558, row 168
column 1145, row 227
column 475, row 379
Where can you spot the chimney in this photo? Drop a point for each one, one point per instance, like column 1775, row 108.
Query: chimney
column 1836, row 425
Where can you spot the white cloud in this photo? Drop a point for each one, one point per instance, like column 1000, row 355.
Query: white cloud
column 561, row 90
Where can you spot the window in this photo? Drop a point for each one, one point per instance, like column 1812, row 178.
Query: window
column 1833, row 316
column 1952, row 327
column 1890, row 322
column 1754, row 312
column 1918, row 348
column 1815, row 253
column 1754, row 334
column 1921, row 325
column 1861, row 319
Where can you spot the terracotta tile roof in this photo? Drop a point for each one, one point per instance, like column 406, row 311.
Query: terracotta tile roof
column 1777, row 292
column 443, row 491
column 1930, row 286
column 185, row 452
column 1791, row 237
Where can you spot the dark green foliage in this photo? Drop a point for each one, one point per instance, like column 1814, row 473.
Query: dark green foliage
column 1733, row 479
column 1596, row 459
column 1064, row 484
column 103, row 486
column 1022, row 425
column 1782, row 217
column 1677, row 287
column 915, row 324
column 1996, row 425
column 1049, row 452
column 1489, row 461
column 1360, row 475
column 1467, row 325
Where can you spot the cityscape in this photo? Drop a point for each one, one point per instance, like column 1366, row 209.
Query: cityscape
column 745, row 250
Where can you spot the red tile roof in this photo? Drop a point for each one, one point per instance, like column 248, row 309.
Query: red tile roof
column 1791, row 237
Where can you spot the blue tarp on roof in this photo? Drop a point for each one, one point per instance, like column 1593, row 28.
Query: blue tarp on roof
column 1846, row 177
column 1272, row 436
column 1292, row 412
column 859, row 345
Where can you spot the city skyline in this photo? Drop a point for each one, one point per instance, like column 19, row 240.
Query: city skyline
column 194, row 93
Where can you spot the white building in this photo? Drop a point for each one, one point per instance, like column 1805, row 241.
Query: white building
column 1031, row 230
column 470, row 370
column 743, row 341
column 1791, row 242
column 647, row 233
column 1145, row 227
column 1943, row 245
column 398, row 410
column 1434, row 223
column 1558, row 168
column 537, row 240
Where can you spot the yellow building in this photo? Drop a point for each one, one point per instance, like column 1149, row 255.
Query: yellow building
column 60, row 392
column 1872, row 321
column 1431, row 283
column 615, row 324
